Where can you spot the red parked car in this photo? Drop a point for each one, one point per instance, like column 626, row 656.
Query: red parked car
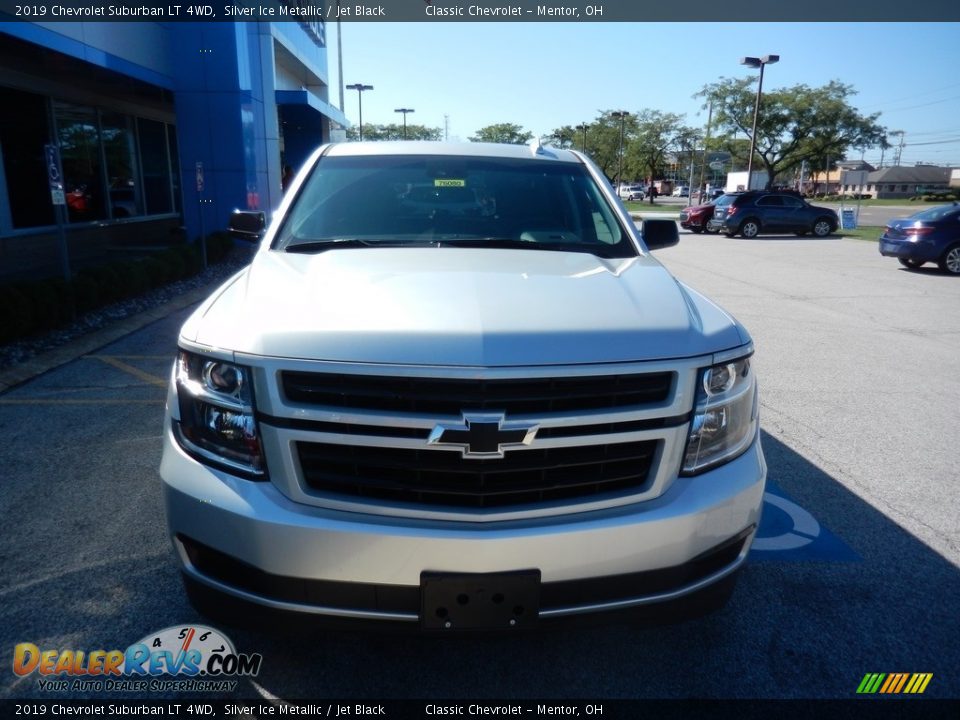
column 695, row 218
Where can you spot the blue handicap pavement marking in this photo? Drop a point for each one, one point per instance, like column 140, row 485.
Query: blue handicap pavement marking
column 789, row 532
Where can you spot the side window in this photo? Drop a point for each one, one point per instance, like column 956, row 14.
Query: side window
column 791, row 202
column 770, row 201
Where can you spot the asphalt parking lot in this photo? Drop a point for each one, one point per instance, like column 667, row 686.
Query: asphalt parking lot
column 856, row 570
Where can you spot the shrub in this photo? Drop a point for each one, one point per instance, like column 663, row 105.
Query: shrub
column 16, row 320
column 86, row 293
column 173, row 262
column 108, row 284
column 219, row 245
column 155, row 271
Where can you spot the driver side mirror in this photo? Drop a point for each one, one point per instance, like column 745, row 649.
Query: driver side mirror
column 660, row 233
column 248, row 225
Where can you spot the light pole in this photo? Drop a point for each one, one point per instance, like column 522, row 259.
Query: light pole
column 360, row 87
column 583, row 128
column 756, row 63
column 404, row 111
column 622, row 114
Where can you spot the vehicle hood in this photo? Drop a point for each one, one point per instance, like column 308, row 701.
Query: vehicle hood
column 696, row 209
column 460, row 307
column 825, row 210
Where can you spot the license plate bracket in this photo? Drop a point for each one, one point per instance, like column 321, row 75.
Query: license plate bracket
column 479, row 601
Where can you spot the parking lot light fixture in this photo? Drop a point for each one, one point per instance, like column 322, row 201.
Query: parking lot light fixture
column 404, row 111
column 360, row 87
column 755, row 62
column 583, row 128
column 622, row 114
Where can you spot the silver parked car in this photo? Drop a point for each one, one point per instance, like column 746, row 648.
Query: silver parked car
column 488, row 410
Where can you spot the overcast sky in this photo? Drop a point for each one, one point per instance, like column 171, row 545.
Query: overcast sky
column 543, row 76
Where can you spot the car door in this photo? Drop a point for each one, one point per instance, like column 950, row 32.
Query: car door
column 796, row 215
column 771, row 213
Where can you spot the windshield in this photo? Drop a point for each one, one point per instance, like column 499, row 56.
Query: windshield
column 355, row 202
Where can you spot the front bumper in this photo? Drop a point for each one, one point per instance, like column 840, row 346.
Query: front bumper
column 248, row 540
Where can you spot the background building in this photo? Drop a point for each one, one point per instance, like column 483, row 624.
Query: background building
column 163, row 129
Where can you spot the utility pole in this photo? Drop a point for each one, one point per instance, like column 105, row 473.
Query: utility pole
column 446, row 128
column 896, row 157
column 703, row 163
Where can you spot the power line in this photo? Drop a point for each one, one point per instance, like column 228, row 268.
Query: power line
column 936, row 142
column 922, row 105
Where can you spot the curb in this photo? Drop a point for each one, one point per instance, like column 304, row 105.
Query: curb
column 86, row 344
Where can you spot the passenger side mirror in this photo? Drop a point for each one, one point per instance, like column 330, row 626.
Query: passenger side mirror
column 248, row 225
column 660, row 233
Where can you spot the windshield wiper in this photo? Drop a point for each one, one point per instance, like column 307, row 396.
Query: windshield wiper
column 310, row 246
column 502, row 243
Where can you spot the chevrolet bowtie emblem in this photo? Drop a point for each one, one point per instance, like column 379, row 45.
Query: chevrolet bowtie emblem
column 483, row 435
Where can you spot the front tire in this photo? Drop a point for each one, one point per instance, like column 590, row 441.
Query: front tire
column 750, row 229
column 950, row 262
column 822, row 227
column 696, row 230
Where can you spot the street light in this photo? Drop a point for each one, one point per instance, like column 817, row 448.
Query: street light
column 360, row 87
column 583, row 127
column 620, row 114
column 756, row 63
column 404, row 111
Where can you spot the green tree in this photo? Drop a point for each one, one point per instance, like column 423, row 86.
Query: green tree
column 565, row 137
column 394, row 131
column 503, row 133
column 793, row 124
column 658, row 136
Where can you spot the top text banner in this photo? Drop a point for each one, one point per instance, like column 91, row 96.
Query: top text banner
column 444, row 11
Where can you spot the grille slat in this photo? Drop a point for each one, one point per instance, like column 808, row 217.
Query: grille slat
column 444, row 478
column 449, row 396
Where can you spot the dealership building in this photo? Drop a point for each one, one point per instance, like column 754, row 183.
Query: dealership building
column 161, row 130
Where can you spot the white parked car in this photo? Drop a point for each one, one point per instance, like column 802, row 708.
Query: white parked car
column 486, row 418
column 632, row 192
column 681, row 191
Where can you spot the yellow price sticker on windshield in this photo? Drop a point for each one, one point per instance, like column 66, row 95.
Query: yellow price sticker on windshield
column 446, row 182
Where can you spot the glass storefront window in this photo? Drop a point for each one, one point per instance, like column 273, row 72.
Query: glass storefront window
column 175, row 168
column 120, row 154
column 24, row 131
column 113, row 165
column 79, row 135
column 155, row 160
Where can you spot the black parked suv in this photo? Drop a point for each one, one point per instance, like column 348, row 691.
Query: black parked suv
column 770, row 212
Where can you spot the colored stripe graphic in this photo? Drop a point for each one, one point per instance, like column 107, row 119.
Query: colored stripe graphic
column 870, row 683
column 894, row 683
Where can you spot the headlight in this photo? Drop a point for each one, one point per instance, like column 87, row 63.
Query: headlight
column 725, row 418
column 217, row 422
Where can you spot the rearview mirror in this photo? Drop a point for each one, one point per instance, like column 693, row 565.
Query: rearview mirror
column 660, row 233
column 248, row 225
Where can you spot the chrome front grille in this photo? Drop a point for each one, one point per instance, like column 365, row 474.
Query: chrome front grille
column 390, row 440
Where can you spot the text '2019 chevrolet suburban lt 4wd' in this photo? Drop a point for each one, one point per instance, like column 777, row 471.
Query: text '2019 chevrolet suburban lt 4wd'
column 453, row 390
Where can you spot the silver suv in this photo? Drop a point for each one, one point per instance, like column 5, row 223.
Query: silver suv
column 453, row 391
column 632, row 192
